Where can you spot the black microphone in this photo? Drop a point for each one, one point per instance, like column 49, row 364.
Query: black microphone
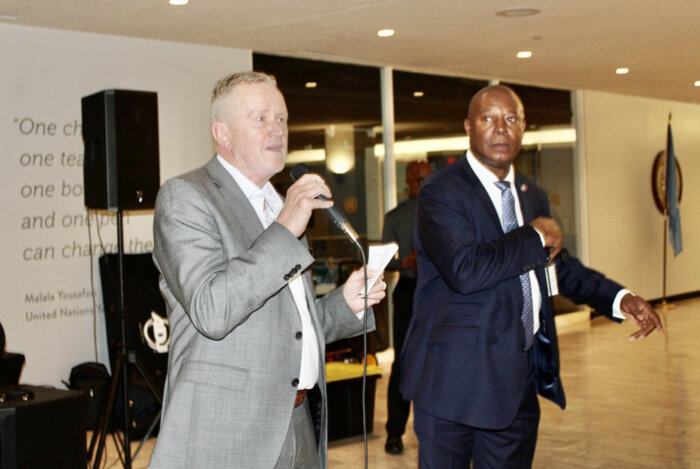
column 334, row 214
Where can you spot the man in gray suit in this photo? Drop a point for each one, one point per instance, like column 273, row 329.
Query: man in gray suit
column 247, row 332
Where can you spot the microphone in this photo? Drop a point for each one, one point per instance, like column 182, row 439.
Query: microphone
column 335, row 215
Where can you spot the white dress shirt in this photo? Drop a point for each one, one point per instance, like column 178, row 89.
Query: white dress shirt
column 267, row 204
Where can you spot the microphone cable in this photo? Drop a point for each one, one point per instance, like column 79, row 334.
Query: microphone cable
column 364, row 353
column 342, row 224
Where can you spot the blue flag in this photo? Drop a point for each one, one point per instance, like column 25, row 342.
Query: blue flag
column 674, row 216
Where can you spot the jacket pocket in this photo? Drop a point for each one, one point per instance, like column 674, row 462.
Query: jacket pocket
column 214, row 374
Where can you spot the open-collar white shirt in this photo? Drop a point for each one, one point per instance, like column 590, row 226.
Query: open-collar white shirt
column 268, row 204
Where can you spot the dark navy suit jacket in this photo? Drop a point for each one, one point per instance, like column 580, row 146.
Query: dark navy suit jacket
column 463, row 358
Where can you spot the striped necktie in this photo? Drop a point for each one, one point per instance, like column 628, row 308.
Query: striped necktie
column 510, row 222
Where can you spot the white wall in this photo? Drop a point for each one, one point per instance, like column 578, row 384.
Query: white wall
column 43, row 75
column 622, row 136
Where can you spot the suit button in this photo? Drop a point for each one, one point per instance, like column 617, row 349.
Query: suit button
column 295, row 382
column 286, row 276
column 298, row 335
column 297, row 268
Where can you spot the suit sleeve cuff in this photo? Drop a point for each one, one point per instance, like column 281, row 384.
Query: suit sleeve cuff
column 617, row 312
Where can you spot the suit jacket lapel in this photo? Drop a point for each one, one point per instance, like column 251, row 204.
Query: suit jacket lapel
column 480, row 192
column 233, row 197
column 239, row 208
column 526, row 202
column 309, row 288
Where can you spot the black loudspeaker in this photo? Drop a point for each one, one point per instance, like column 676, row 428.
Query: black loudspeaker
column 48, row 430
column 121, row 167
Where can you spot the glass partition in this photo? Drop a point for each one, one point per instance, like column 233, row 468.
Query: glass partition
column 335, row 128
column 334, row 114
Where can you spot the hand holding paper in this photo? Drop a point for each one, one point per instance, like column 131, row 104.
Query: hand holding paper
column 354, row 287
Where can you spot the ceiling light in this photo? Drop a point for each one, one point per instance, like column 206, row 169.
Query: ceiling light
column 385, row 32
column 518, row 12
column 311, row 84
column 179, row 2
column 524, row 54
column 697, row 83
column 622, row 71
column 418, row 94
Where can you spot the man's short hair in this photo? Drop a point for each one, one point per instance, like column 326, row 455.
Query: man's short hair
column 225, row 85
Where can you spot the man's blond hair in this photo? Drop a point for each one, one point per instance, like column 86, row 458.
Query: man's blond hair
column 225, row 86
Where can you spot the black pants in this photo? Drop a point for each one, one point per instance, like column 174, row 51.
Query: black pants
column 443, row 444
column 399, row 409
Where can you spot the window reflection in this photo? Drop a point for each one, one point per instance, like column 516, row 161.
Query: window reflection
column 332, row 129
column 335, row 128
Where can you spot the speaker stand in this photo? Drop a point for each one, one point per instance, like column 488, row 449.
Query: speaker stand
column 120, row 374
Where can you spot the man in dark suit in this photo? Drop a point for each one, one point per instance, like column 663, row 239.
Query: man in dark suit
column 482, row 341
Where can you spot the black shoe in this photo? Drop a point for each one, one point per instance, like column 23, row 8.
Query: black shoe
column 393, row 445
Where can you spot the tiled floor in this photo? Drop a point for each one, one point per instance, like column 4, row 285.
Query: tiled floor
column 630, row 404
column 349, row 453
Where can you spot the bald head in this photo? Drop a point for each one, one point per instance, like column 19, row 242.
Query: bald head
column 480, row 95
column 495, row 126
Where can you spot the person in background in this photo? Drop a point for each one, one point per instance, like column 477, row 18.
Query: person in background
column 482, row 341
column 398, row 227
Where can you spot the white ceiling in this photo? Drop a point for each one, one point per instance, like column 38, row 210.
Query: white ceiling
column 575, row 44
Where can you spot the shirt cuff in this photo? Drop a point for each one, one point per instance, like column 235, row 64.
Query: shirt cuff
column 617, row 312
column 540, row 235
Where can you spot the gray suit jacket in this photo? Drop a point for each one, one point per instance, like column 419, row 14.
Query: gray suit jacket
column 235, row 351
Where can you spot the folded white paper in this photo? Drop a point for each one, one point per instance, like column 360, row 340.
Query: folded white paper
column 379, row 257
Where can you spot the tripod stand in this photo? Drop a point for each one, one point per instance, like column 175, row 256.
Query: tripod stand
column 120, row 374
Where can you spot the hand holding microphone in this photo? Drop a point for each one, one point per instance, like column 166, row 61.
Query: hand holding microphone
column 302, row 198
column 301, row 173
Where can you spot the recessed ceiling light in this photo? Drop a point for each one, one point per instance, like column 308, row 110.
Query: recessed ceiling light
column 311, row 84
column 524, row 54
column 385, row 32
column 697, row 83
column 518, row 12
column 179, row 2
column 622, row 71
column 418, row 94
